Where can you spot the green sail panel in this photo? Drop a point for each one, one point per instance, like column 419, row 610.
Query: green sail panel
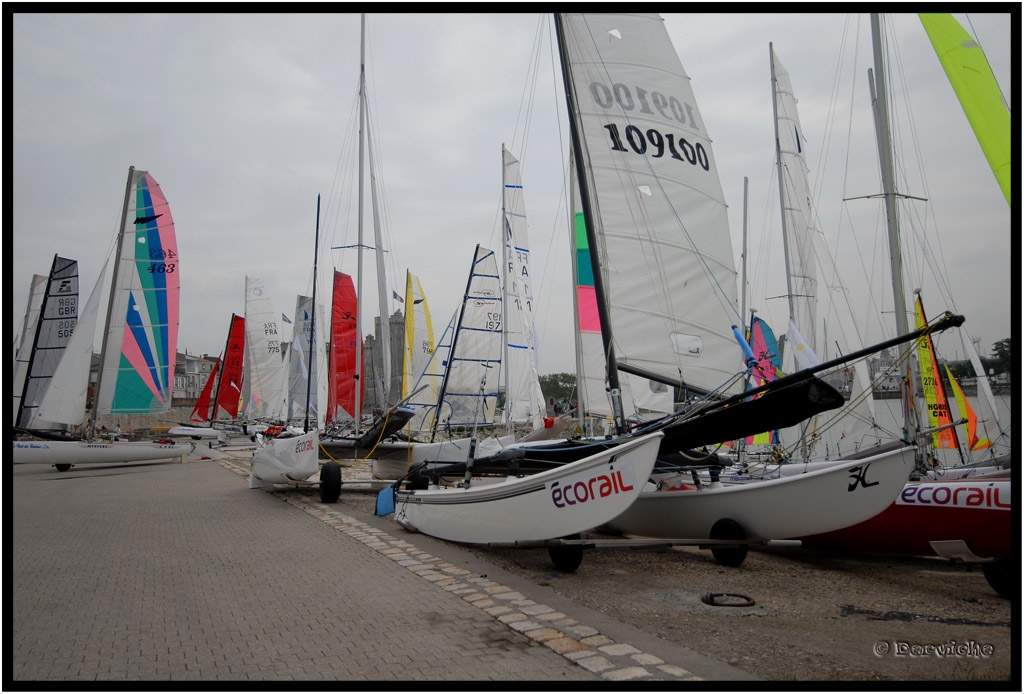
column 976, row 88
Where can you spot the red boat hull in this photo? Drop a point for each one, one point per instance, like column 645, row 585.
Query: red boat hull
column 977, row 512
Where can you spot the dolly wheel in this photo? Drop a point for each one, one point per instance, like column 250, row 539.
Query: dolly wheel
column 330, row 482
column 567, row 558
column 728, row 529
column 62, row 467
column 999, row 575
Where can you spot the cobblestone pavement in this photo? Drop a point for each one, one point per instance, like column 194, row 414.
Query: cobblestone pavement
column 180, row 572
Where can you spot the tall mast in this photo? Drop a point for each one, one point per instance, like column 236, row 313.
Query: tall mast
column 879, row 100
column 312, row 323
column 589, row 221
column 506, row 256
column 110, row 301
column 359, row 247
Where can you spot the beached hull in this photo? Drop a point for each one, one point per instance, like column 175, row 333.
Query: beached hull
column 93, row 452
column 286, row 460
column 976, row 512
column 783, row 508
column 547, row 505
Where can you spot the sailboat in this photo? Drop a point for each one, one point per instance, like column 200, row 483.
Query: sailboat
column 49, row 323
column 290, row 457
column 958, row 519
column 638, row 147
column 219, row 400
column 139, row 345
column 263, row 378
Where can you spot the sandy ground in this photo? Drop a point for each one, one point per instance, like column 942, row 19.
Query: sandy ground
column 816, row 615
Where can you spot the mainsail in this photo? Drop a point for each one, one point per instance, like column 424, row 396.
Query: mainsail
column 971, row 77
column 28, row 336
column 56, row 322
column 303, row 386
column 342, row 383
column 524, row 399
column 201, row 410
column 141, row 339
column 469, row 391
column 936, row 404
column 795, row 199
column 229, row 384
column 419, row 335
column 66, row 399
column 264, row 367
column 663, row 242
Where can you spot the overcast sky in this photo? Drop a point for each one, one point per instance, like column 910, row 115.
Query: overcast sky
column 244, row 119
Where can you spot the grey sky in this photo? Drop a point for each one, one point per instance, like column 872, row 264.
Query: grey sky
column 244, row 118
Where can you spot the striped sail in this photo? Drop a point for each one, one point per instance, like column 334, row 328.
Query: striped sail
column 28, row 335
column 140, row 345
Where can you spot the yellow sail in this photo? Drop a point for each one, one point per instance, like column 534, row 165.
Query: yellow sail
column 934, row 396
column 976, row 88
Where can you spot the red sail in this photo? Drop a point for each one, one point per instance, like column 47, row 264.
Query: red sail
column 341, row 389
column 229, row 389
column 201, row 412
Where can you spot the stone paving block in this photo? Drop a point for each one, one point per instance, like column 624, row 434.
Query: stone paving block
column 626, row 673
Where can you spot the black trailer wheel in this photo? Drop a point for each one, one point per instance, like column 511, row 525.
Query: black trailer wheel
column 999, row 575
column 330, row 482
column 63, row 467
column 567, row 558
column 728, row 529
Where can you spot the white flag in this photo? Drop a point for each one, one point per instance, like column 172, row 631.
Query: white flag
column 802, row 352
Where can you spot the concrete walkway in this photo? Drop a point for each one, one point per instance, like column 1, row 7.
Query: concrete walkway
column 180, row 572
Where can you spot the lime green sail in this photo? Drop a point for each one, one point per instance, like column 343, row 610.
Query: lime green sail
column 976, row 88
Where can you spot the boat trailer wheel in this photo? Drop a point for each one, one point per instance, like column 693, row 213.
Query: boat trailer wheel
column 566, row 558
column 728, row 529
column 710, row 599
column 330, row 482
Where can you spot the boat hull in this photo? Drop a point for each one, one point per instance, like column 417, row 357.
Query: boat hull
column 782, row 508
column 556, row 503
column 976, row 512
column 93, row 452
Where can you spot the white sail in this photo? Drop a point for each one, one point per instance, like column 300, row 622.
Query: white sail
column 264, row 368
column 28, row 336
column 641, row 398
column 795, row 198
column 524, row 399
column 57, row 317
column 300, row 361
column 470, row 388
column 424, row 400
column 665, row 249
column 66, row 398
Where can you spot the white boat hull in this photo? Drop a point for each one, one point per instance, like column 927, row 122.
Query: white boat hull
column 194, row 432
column 92, row 452
column 793, row 506
column 547, row 505
column 286, row 460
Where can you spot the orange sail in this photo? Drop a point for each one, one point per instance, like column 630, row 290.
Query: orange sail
column 967, row 414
